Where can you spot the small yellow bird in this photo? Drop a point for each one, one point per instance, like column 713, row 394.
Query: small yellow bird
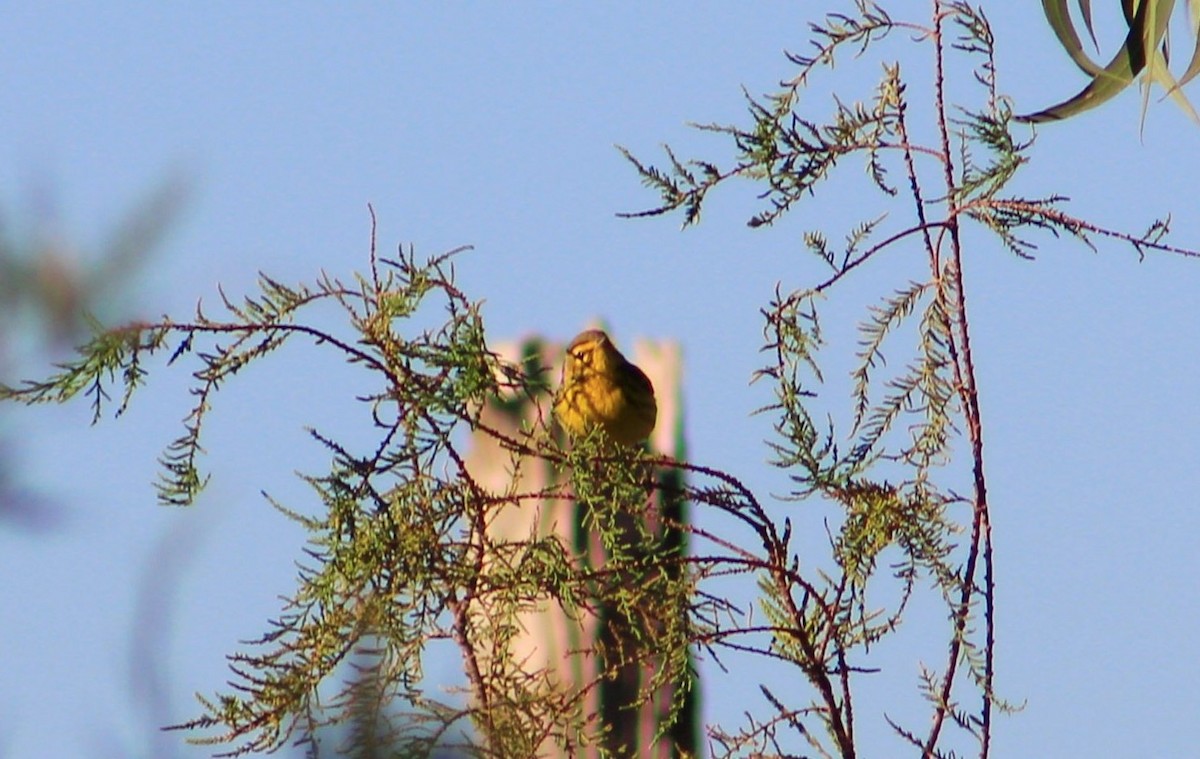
column 600, row 387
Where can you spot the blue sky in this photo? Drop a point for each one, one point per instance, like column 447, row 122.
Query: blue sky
column 495, row 127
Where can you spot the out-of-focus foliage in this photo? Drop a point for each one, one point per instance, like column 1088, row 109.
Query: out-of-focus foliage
column 1146, row 52
column 52, row 294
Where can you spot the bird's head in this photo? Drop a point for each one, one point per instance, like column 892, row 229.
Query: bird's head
column 590, row 351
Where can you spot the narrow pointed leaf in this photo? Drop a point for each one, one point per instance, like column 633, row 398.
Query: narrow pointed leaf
column 1059, row 17
column 1193, row 67
column 1085, row 10
column 1161, row 75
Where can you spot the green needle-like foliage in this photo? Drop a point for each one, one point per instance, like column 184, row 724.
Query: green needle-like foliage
column 902, row 464
column 400, row 555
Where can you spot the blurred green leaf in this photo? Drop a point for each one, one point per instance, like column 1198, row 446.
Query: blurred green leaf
column 1145, row 49
column 1059, row 16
